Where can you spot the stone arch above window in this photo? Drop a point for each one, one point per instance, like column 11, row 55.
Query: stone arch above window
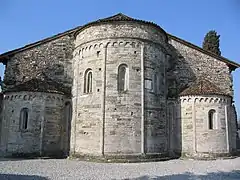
column 212, row 119
column 123, row 78
column 88, row 81
column 24, row 119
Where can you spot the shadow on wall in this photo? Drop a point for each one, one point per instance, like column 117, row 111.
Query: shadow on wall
column 238, row 140
column 180, row 75
column 233, row 175
column 21, row 177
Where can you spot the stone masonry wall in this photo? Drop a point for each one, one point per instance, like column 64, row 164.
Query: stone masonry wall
column 191, row 64
column 45, row 107
column 233, row 127
column 123, row 109
column 212, row 140
column 50, row 60
column 175, row 126
column 187, row 129
column 156, row 125
column 87, row 107
column 196, row 135
column 1, row 119
column 118, row 130
column 120, row 30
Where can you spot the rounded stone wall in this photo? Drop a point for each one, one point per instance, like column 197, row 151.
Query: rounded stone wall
column 155, row 124
column 207, row 126
column 33, row 123
column 118, row 114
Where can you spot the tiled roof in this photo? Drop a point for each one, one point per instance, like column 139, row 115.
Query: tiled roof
column 37, row 85
column 117, row 17
column 202, row 87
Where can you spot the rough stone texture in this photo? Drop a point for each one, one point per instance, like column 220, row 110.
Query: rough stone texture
column 45, row 107
column 119, row 30
column 37, row 85
column 147, row 119
column 122, row 109
column 233, row 128
column 87, row 107
column 121, row 121
column 197, row 138
column 191, row 64
column 202, row 87
column 51, row 60
column 156, row 126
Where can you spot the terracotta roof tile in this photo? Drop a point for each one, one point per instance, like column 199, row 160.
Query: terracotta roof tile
column 202, row 87
column 37, row 85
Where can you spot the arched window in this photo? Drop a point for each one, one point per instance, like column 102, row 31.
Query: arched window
column 122, row 78
column 24, row 119
column 211, row 119
column 88, row 81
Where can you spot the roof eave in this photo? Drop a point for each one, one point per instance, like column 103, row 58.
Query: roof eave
column 207, row 94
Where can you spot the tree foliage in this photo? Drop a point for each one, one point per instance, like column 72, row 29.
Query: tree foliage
column 211, row 42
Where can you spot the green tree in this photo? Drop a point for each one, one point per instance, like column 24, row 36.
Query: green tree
column 211, row 42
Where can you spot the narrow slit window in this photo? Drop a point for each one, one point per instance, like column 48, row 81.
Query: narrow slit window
column 122, row 78
column 24, row 119
column 88, row 81
column 211, row 119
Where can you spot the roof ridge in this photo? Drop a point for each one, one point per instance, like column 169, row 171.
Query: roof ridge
column 202, row 86
column 118, row 16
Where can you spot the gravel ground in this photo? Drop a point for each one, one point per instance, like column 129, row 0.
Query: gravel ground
column 59, row 169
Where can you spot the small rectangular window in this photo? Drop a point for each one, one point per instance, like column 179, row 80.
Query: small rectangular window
column 148, row 84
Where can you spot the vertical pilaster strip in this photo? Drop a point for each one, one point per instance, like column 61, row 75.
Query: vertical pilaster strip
column 194, row 126
column 1, row 120
column 41, row 136
column 227, row 129
column 76, row 105
column 142, row 101
column 102, row 139
column 171, row 118
column 3, row 128
column 62, row 125
column 7, row 133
